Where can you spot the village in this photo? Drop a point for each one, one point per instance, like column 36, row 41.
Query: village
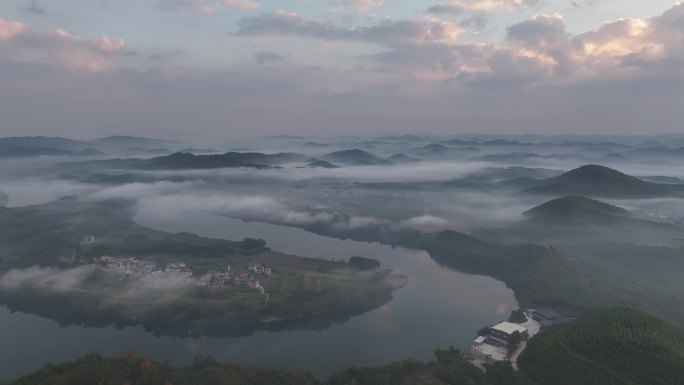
column 506, row 340
column 130, row 267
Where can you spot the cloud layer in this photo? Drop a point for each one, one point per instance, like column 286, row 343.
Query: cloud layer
column 290, row 24
column 378, row 69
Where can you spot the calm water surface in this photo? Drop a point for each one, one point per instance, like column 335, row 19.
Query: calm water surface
column 439, row 307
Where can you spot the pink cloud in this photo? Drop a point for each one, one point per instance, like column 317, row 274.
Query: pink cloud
column 9, row 29
column 60, row 47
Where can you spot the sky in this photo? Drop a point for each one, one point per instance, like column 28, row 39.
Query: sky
column 214, row 69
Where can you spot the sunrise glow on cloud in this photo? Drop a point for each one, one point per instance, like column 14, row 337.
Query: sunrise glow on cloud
column 252, row 67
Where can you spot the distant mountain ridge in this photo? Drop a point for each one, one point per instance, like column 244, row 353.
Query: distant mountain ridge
column 401, row 158
column 185, row 160
column 23, row 152
column 318, row 163
column 27, row 146
column 355, row 157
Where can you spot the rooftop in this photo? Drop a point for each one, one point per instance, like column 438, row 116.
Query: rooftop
column 509, row 328
column 547, row 313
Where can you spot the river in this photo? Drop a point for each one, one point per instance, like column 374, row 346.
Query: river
column 438, row 308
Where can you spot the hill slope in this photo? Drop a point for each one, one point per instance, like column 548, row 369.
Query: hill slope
column 608, row 347
column 600, row 181
column 577, row 209
column 355, row 156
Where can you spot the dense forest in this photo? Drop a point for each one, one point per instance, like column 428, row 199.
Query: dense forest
column 608, row 347
column 449, row 367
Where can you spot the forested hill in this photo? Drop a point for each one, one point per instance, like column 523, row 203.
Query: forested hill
column 599, row 181
column 608, row 347
column 577, row 209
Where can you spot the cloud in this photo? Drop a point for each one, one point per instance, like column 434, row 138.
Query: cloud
column 288, row 24
column 10, row 29
column 241, row 4
column 624, row 75
column 198, row 6
column 357, row 6
column 62, row 281
column 541, row 32
column 583, row 3
column 613, row 49
column 67, row 49
column 263, row 57
column 465, row 6
column 541, row 50
column 33, row 7
column 205, row 7
column 257, row 208
column 47, row 278
column 136, row 191
column 426, row 222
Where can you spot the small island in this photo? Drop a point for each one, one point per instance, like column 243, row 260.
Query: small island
column 125, row 274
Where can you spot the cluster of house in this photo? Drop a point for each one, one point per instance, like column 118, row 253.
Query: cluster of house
column 134, row 267
column 127, row 267
column 494, row 346
column 88, row 239
column 218, row 278
column 547, row 317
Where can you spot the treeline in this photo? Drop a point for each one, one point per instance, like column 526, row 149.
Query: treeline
column 450, row 367
column 129, row 369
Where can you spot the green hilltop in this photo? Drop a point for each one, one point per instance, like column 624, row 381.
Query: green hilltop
column 601, row 181
column 608, row 347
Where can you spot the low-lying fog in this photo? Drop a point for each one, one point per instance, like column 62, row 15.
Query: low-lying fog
column 403, row 194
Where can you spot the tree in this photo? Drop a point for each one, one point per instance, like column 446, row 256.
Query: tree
column 447, row 355
column 251, row 243
column 364, row 263
column 513, row 341
column 483, row 332
column 150, row 372
column 129, row 355
column 517, row 316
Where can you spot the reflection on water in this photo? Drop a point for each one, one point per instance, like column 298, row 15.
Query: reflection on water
column 439, row 307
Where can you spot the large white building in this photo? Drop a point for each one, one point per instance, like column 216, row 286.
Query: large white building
column 502, row 332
